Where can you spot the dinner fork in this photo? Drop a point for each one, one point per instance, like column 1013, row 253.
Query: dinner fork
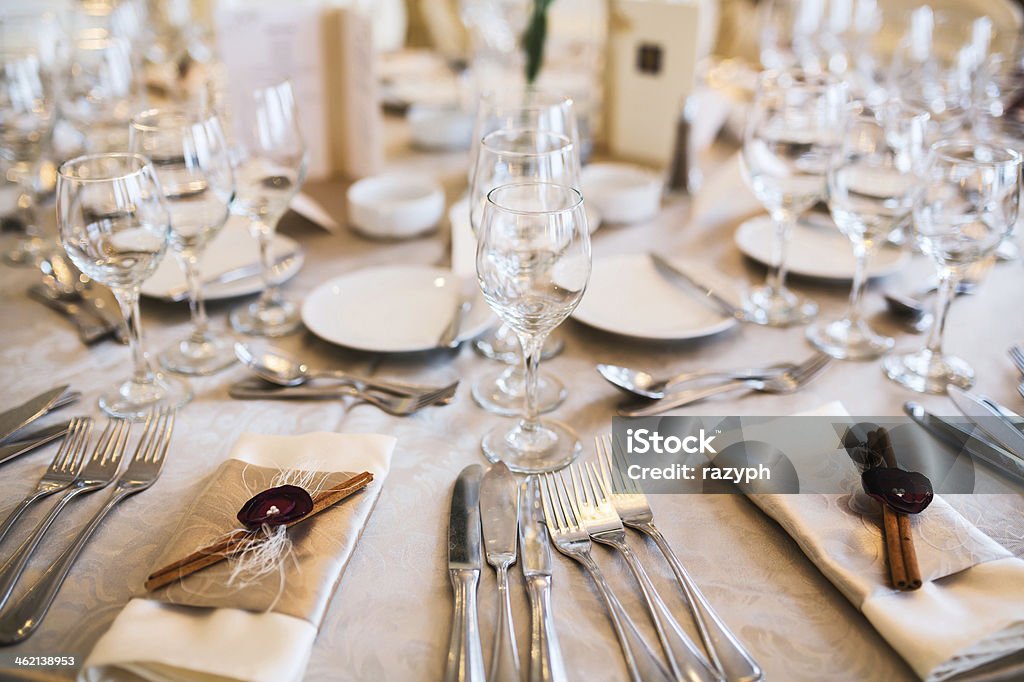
column 786, row 382
column 96, row 474
column 142, row 471
column 1017, row 355
column 62, row 470
column 603, row 524
column 726, row 652
column 571, row 539
column 399, row 406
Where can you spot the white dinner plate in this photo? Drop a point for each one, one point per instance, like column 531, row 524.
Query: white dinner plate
column 819, row 251
column 391, row 309
column 628, row 296
column 233, row 247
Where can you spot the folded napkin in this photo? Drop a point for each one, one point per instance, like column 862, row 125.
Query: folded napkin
column 970, row 610
column 199, row 629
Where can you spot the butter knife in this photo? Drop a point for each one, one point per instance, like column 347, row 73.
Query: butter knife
column 465, row 656
column 546, row 664
column 682, row 279
column 89, row 329
column 499, row 514
column 992, row 420
column 26, row 413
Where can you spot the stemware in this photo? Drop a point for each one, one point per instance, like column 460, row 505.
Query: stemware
column 795, row 125
column 509, row 156
column 968, row 206
column 114, row 224
column 533, row 263
column 872, row 184
column 191, row 160
column 270, row 166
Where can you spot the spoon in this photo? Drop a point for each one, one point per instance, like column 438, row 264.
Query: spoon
column 279, row 368
column 640, row 383
column 913, row 305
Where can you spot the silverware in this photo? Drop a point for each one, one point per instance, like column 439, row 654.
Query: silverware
column 31, row 441
column 915, row 309
column 279, row 265
column 1017, row 355
column 990, row 417
column 971, row 442
column 98, row 299
column 726, row 652
column 499, row 516
column 571, row 539
column 143, row 470
column 465, row 656
column 90, row 330
column 450, row 335
column 644, row 385
column 398, row 406
column 688, row 283
column 61, row 473
column 546, row 664
column 592, row 499
column 32, row 409
column 786, row 382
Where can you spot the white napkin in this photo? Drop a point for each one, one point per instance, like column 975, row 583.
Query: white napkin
column 307, row 207
column 150, row 640
column 970, row 616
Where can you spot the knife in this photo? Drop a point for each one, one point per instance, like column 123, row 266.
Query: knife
column 31, row 441
column 465, row 657
column 97, row 299
column 17, row 417
column 983, row 412
column 971, row 442
column 546, row 664
column 680, row 278
column 499, row 514
column 89, row 329
column 180, row 293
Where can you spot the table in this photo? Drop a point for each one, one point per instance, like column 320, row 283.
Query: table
column 390, row 617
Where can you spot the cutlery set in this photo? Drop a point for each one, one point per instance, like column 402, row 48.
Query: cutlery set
column 14, row 442
column 89, row 306
column 591, row 502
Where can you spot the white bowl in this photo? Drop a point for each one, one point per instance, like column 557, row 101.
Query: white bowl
column 395, row 206
column 622, row 193
column 440, row 128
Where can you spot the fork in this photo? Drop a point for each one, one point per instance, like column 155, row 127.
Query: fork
column 562, row 518
column 142, row 471
column 726, row 652
column 60, row 474
column 1017, row 355
column 97, row 474
column 399, row 406
column 786, row 382
column 604, row 526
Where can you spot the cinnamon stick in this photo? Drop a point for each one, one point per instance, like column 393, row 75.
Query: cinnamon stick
column 906, row 576
column 893, row 548
column 236, row 542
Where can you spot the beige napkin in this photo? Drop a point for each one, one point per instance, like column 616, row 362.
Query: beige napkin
column 155, row 640
column 970, row 610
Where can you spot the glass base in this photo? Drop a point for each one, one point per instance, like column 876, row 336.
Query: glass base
column 926, row 372
column 26, row 252
column 548, row 447
column 276, row 318
column 503, row 392
column 502, row 344
column 199, row 358
column 778, row 309
column 132, row 400
column 846, row 340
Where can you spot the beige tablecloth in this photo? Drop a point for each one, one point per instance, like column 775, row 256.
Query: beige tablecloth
column 389, row 619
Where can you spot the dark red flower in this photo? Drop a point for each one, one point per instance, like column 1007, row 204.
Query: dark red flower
column 275, row 507
column 906, row 491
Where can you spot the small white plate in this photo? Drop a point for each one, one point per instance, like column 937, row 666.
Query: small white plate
column 391, row 309
column 819, row 251
column 628, row 296
column 234, row 247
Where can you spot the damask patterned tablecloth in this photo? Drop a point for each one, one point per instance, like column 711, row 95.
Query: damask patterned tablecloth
column 390, row 617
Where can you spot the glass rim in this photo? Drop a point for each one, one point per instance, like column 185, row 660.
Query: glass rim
column 143, row 161
column 192, row 114
column 821, row 81
column 570, row 191
column 944, row 150
column 567, row 146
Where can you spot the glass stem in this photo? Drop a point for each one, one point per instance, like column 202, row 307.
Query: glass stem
column 128, row 299
column 777, row 273
column 196, row 305
column 532, row 346
column 269, row 294
column 860, row 282
column 947, row 287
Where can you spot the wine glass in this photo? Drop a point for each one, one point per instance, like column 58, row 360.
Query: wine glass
column 533, row 264
column 505, row 157
column 270, row 166
column 969, row 203
column 795, row 125
column 191, row 159
column 114, row 224
column 872, row 184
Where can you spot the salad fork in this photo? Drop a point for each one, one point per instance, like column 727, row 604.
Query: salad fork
column 62, row 470
column 726, row 652
column 562, row 518
column 603, row 525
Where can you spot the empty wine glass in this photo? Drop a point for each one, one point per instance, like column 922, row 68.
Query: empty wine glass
column 533, row 264
column 506, row 157
column 114, row 224
column 191, row 159
column 270, row 166
column 795, row 125
column 969, row 203
column 872, row 184
column 100, row 89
